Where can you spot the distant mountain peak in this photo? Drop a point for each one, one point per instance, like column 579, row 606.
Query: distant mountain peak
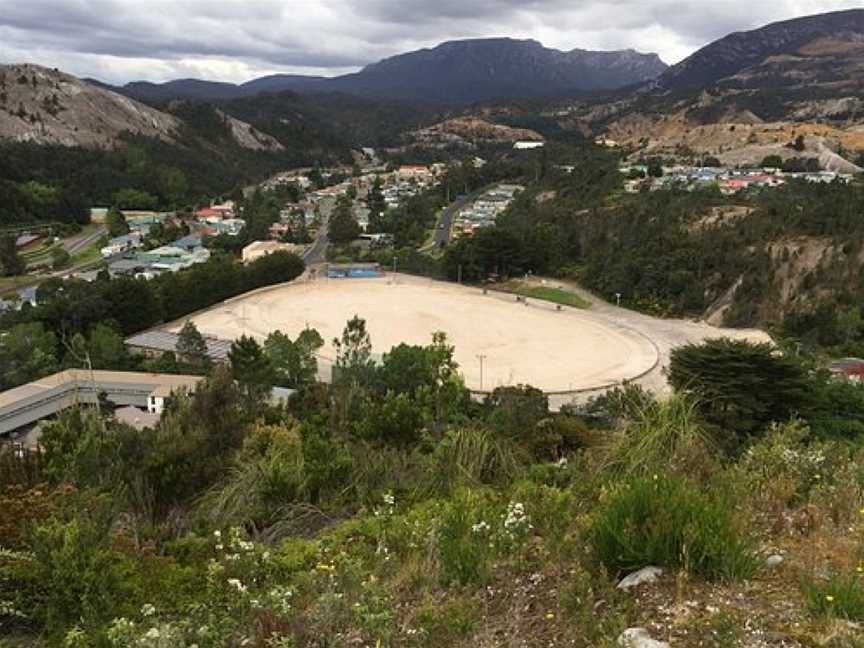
column 739, row 50
column 455, row 71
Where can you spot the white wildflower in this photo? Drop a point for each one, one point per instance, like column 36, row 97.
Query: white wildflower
column 236, row 584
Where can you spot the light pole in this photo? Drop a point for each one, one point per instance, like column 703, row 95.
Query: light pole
column 618, row 300
column 394, row 264
column 481, row 358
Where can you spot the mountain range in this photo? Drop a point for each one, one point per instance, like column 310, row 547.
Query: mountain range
column 747, row 92
column 775, row 54
column 454, row 72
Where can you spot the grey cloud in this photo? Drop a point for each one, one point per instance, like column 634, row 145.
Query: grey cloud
column 235, row 38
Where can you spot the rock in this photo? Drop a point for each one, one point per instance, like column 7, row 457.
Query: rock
column 639, row 638
column 773, row 560
column 644, row 575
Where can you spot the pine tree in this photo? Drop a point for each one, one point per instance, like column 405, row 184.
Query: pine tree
column 191, row 346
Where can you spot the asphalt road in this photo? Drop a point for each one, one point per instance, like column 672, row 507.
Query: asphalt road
column 317, row 253
column 73, row 245
column 445, row 222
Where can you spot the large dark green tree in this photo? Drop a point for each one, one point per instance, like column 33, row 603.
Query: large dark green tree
column 343, row 226
column 116, row 222
column 11, row 264
column 251, row 368
column 191, row 346
column 354, row 364
column 294, row 361
column 741, row 386
column 27, row 351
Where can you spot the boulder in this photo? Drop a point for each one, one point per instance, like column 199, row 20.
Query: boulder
column 773, row 560
column 639, row 638
column 644, row 575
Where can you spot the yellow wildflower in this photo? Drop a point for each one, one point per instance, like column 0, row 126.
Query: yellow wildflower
column 829, row 598
column 550, row 616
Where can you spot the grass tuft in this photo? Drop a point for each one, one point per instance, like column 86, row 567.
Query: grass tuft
column 671, row 523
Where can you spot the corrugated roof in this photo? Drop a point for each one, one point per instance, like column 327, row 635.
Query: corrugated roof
column 158, row 340
column 71, row 376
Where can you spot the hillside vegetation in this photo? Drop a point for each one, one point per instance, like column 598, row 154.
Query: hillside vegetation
column 785, row 258
column 389, row 509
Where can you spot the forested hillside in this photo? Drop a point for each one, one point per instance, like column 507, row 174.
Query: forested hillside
column 784, row 258
column 203, row 161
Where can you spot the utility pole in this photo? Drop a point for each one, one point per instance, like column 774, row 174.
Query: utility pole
column 395, row 258
column 459, row 280
column 481, row 357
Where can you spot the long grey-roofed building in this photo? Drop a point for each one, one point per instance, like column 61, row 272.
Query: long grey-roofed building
column 47, row 396
column 156, row 342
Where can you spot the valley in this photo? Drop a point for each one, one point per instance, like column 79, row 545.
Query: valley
column 405, row 333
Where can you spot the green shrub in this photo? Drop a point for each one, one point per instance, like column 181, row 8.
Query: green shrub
column 552, row 512
column 784, row 467
column 464, row 537
column 665, row 433
column 472, row 456
column 669, row 522
column 841, row 595
column 446, row 625
column 82, row 581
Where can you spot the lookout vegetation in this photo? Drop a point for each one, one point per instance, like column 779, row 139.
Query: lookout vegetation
column 390, row 509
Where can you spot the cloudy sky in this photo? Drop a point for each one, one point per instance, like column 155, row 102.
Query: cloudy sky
column 236, row 40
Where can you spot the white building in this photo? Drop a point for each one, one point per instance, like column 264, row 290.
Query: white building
column 527, row 145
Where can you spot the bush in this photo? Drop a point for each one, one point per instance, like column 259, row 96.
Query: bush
column 471, row 456
column 839, row 596
column 667, row 433
column 464, row 538
column 741, row 386
column 669, row 522
column 782, row 469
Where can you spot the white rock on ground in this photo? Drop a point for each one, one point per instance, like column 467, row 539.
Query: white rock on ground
column 639, row 638
column 773, row 560
column 644, row 575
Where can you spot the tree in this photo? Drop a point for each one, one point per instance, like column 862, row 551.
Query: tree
column 516, row 411
column 27, row 352
column 294, row 362
column 353, row 353
column 343, row 227
column 173, row 185
column 191, row 346
column 59, row 257
column 251, row 368
column 106, row 348
column 102, row 348
column 655, row 169
column 772, row 162
column 133, row 199
column 741, row 386
column 392, row 418
column 11, row 264
column 115, row 221
column 278, row 267
column 377, row 206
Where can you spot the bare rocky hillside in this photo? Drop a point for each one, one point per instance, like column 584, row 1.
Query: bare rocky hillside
column 46, row 106
column 468, row 130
